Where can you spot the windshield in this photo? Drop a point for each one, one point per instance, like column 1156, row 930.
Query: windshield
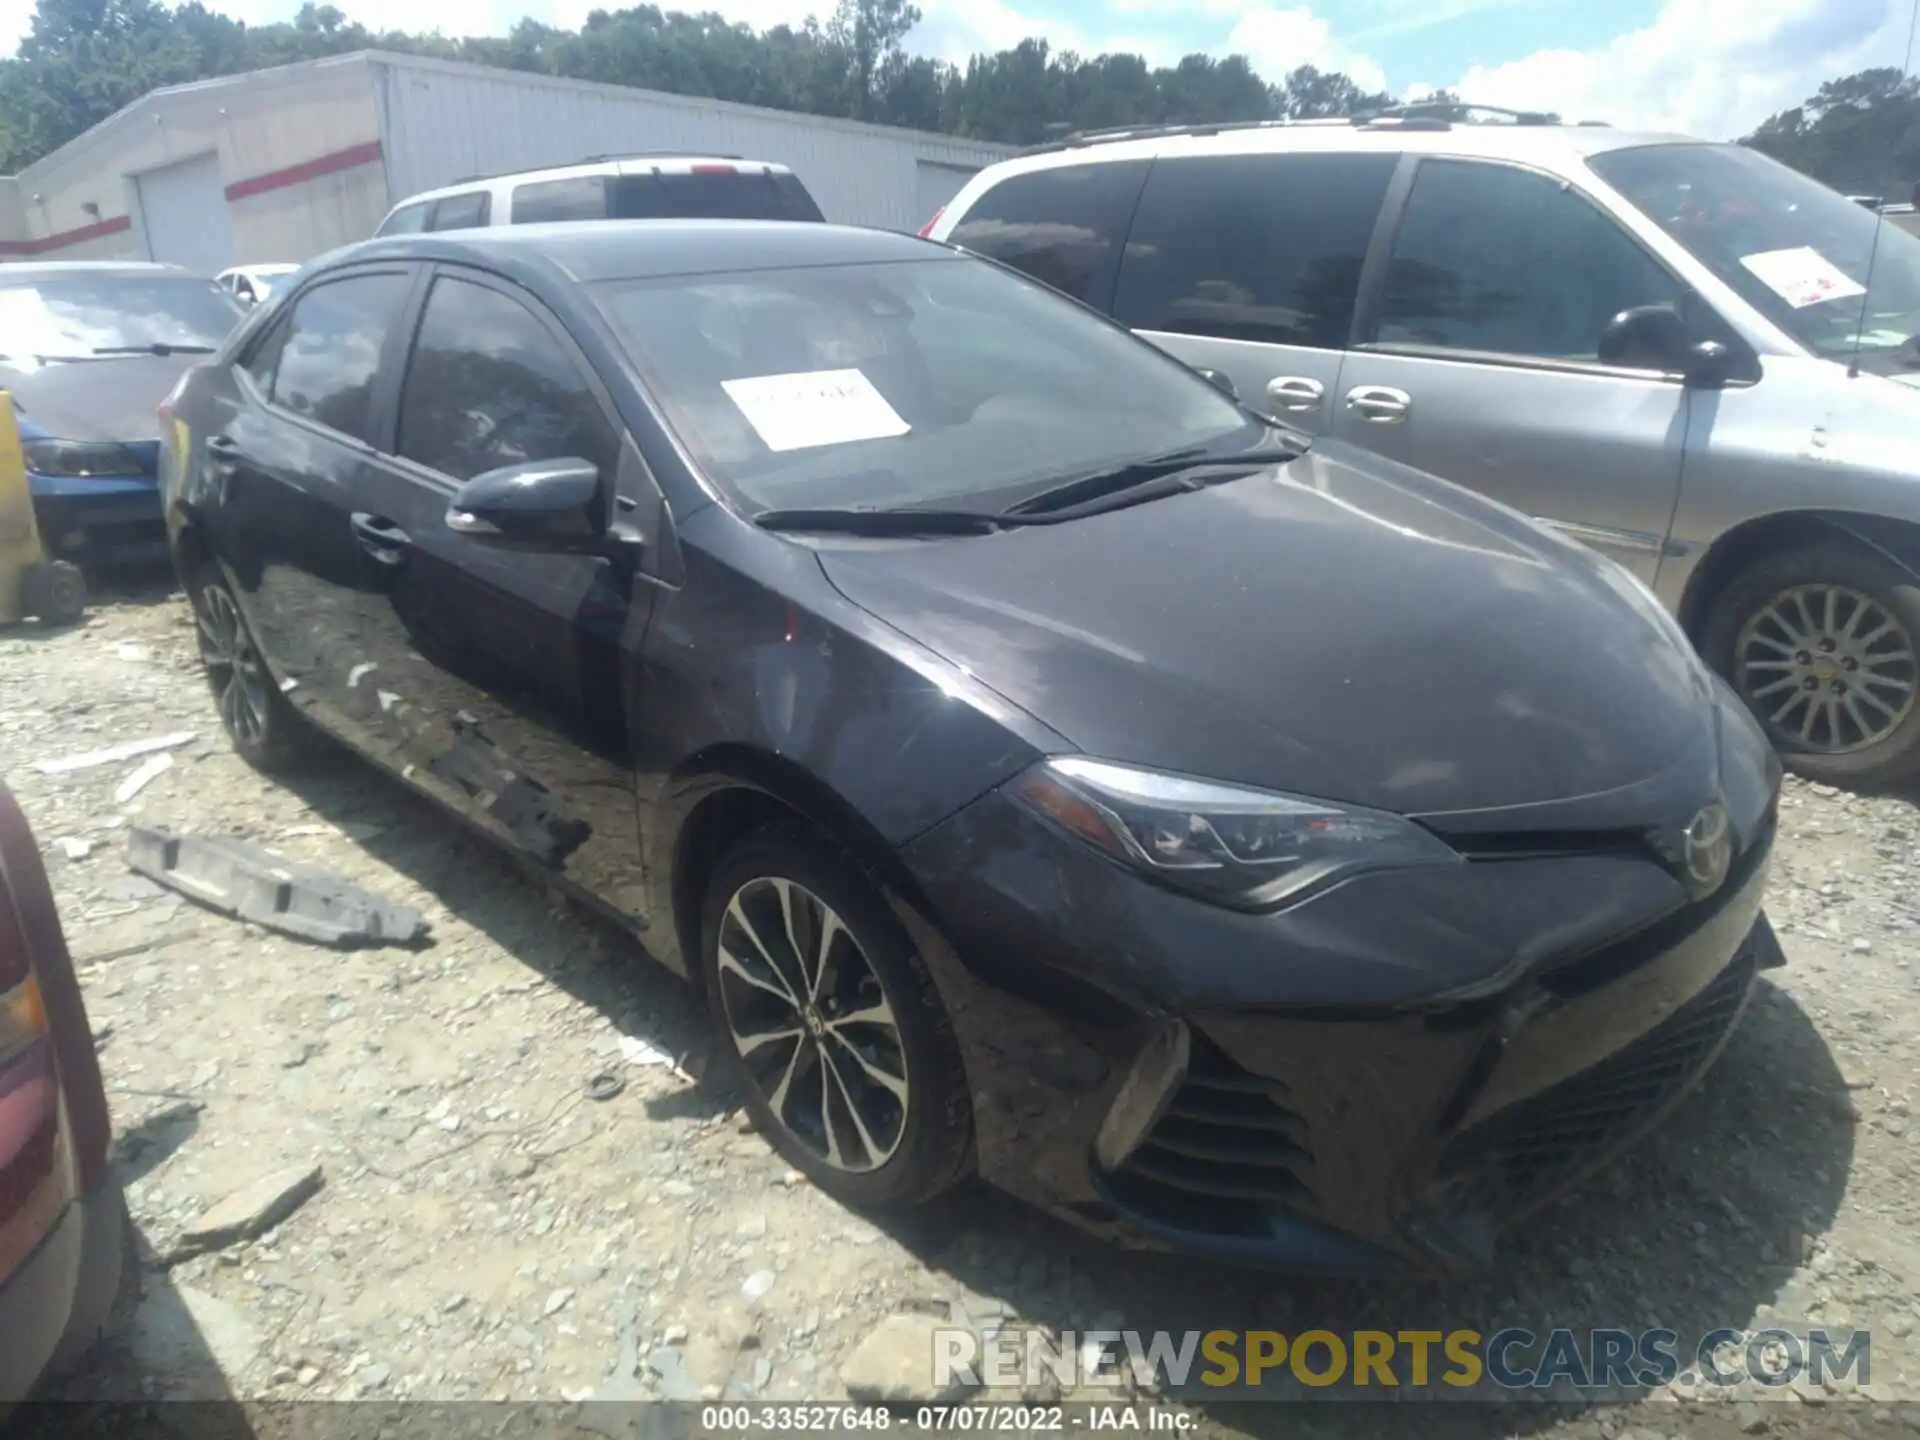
column 910, row 383
column 1796, row 251
column 78, row 317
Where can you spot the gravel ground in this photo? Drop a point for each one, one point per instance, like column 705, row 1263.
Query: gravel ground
column 485, row 1230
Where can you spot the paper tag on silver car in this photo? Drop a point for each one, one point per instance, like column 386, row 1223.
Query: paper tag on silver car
column 814, row 407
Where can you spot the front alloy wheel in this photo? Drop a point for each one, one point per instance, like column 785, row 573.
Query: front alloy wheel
column 828, row 1020
column 813, row 1025
column 1828, row 667
column 1820, row 643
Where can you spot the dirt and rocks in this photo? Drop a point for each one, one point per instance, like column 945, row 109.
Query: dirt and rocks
column 479, row 1212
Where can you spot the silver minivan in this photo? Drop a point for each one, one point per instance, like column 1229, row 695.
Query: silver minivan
column 1686, row 355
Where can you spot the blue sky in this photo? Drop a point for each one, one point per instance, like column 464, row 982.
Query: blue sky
column 1708, row 67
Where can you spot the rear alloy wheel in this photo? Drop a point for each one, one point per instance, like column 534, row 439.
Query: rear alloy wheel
column 1823, row 645
column 831, row 1025
column 263, row 727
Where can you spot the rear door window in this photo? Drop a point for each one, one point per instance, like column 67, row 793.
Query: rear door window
column 461, row 212
column 721, row 193
column 1265, row 248
column 407, row 220
column 1504, row 261
column 326, row 365
column 489, row 385
column 581, row 197
column 1064, row 226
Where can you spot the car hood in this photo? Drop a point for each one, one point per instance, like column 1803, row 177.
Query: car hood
column 1340, row 626
column 111, row 399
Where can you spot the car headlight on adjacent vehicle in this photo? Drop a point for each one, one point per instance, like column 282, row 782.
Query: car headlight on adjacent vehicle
column 1244, row 847
column 79, row 459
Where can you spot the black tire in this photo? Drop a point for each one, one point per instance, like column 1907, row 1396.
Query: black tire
column 934, row 1146
column 54, row 591
column 1755, row 652
column 265, row 731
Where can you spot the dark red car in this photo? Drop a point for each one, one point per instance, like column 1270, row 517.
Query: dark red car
column 62, row 1224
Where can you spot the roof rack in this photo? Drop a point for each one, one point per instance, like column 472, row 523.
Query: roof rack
column 657, row 155
column 1416, row 115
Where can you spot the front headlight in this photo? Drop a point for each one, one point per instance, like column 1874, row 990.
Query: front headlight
column 79, row 459
column 1251, row 848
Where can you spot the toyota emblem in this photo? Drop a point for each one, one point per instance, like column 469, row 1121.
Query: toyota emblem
column 1707, row 850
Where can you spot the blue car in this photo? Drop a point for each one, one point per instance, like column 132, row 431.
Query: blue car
column 88, row 351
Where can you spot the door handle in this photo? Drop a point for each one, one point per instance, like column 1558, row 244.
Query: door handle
column 380, row 538
column 1295, row 394
column 1379, row 404
column 224, row 453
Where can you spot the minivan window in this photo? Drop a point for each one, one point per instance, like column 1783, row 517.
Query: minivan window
column 1796, row 251
column 1063, row 226
column 332, row 349
column 407, row 220
column 1253, row 247
column 903, row 383
column 489, row 386
column 1505, row 261
column 582, row 197
column 461, row 212
column 722, row 193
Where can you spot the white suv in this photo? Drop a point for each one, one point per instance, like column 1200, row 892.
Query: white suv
column 612, row 187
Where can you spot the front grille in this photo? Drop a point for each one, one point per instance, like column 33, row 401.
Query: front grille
column 1225, row 1153
column 1512, row 1162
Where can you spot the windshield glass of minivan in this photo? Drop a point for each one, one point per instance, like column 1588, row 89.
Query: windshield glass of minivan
column 1796, row 251
column 720, row 194
column 922, row 382
column 81, row 317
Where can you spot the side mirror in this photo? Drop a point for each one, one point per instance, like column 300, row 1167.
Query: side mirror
column 1655, row 337
column 553, row 505
column 1647, row 337
column 1218, row 379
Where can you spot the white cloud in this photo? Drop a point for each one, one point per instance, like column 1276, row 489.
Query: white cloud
column 1277, row 40
column 1702, row 67
column 1407, row 17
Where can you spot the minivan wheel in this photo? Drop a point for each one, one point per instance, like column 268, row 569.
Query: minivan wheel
column 830, row 1023
column 1823, row 643
column 264, row 729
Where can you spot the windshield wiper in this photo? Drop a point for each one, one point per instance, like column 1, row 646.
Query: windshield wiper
column 1101, row 484
column 902, row 522
column 157, row 347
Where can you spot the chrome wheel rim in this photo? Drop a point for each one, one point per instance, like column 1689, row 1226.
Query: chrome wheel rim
column 813, row 1025
column 1830, row 669
column 233, row 666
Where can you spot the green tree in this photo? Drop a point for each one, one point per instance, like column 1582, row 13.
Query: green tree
column 1859, row 133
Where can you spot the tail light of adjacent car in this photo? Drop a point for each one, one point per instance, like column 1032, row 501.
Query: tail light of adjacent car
column 36, row 1167
column 927, row 229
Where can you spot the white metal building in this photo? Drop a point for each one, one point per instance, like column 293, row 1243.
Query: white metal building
column 284, row 164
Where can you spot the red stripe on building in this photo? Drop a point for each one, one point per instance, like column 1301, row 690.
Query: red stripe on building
column 63, row 238
column 310, row 170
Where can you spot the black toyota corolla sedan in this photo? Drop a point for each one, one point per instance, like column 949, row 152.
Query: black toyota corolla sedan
column 1044, row 766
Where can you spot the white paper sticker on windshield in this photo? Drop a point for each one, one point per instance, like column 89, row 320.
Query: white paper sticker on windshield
column 814, row 407
column 1802, row 276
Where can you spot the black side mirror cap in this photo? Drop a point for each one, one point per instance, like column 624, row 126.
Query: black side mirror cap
column 1647, row 337
column 1218, row 379
column 1709, row 365
column 552, row 505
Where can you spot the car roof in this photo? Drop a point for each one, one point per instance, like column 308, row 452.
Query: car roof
column 120, row 269
column 594, row 250
column 1553, row 146
column 673, row 163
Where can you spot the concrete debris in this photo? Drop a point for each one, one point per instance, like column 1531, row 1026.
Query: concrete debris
column 143, row 775
column 113, row 754
column 636, row 1051
column 74, row 848
column 254, row 1209
column 894, row 1364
